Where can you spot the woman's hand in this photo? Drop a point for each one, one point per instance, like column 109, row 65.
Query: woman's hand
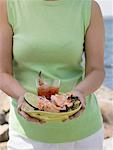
column 21, row 102
column 80, row 96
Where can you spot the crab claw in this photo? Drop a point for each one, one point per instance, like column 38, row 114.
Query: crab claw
column 40, row 79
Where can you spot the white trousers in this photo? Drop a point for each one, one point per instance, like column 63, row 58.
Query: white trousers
column 93, row 142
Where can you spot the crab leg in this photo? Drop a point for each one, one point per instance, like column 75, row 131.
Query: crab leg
column 40, row 79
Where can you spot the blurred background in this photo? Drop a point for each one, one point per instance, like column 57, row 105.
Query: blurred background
column 107, row 10
column 104, row 93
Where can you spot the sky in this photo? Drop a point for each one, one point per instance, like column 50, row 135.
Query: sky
column 106, row 7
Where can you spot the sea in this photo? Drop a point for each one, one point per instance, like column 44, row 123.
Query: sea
column 108, row 53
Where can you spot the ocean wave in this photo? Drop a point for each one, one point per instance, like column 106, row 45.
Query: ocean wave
column 109, row 66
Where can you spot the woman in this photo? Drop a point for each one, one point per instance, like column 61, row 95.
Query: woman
column 51, row 36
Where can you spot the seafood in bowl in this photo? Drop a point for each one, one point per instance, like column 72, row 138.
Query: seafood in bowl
column 59, row 108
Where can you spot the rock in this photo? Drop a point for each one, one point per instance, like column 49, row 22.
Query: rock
column 108, row 130
column 108, row 144
column 105, row 101
column 107, row 111
column 3, row 146
column 7, row 118
column 4, row 129
column 4, row 102
column 2, row 117
column 104, row 93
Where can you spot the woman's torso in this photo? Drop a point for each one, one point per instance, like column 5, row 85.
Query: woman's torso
column 49, row 37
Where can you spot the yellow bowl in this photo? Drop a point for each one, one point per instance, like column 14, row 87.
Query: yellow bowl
column 44, row 115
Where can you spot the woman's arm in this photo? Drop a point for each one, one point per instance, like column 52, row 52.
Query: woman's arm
column 7, row 83
column 94, row 53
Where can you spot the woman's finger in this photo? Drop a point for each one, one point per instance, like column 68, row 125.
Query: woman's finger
column 19, row 108
column 26, row 116
column 76, row 114
column 82, row 100
column 20, row 103
column 29, row 118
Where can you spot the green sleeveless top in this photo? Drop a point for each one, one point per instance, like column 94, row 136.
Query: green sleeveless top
column 49, row 37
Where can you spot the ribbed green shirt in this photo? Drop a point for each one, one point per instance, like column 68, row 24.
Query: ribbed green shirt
column 49, row 37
